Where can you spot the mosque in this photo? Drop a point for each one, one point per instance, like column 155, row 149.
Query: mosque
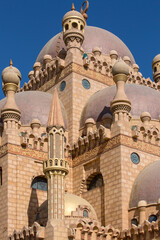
column 80, row 141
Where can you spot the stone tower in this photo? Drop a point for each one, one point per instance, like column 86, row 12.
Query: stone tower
column 10, row 112
column 55, row 168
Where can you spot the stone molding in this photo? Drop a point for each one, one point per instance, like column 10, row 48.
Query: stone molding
column 115, row 142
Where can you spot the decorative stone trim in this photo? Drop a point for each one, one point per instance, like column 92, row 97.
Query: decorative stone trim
column 115, row 142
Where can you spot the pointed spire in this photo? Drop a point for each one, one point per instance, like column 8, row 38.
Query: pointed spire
column 55, row 115
column 73, row 7
column 11, row 63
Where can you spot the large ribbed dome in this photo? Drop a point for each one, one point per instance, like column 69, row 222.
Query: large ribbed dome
column 93, row 37
column 34, row 104
column 143, row 99
column 146, row 186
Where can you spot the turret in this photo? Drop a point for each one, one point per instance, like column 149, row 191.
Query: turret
column 73, row 29
column 156, row 68
column 55, row 168
column 120, row 106
column 10, row 112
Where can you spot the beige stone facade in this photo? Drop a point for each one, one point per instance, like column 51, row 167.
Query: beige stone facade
column 80, row 142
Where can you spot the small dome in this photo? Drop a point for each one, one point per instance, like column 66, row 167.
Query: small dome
column 11, row 74
column 120, row 67
column 93, row 37
column 143, row 99
column 72, row 14
column 146, row 186
column 72, row 202
column 34, row 105
column 145, row 116
column 156, row 59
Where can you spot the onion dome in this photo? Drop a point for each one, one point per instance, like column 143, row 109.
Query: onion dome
column 143, row 99
column 120, row 67
column 146, row 186
column 11, row 74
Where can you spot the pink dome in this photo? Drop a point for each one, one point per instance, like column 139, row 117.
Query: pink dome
column 143, row 99
column 146, row 186
column 94, row 37
column 34, row 105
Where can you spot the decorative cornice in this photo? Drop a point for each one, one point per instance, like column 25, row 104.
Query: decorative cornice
column 31, row 153
column 35, row 154
column 115, row 142
column 73, row 67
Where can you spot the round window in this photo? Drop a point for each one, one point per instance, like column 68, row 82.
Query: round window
column 62, row 86
column 86, row 84
column 135, row 158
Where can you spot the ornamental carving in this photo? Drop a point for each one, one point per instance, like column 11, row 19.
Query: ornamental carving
column 10, row 116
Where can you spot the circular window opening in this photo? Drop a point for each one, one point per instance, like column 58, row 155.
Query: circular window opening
column 86, row 84
column 135, row 158
column 74, row 25
column 85, row 213
column 134, row 221
column 62, row 86
column 152, row 218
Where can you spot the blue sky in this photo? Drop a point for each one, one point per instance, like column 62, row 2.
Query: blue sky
column 26, row 26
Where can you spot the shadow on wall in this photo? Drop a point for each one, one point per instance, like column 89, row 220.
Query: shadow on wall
column 33, row 208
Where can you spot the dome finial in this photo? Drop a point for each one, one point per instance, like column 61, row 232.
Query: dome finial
column 83, row 12
column 11, row 63
column 73, row 7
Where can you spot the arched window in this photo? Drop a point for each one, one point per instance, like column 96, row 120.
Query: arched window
column 39, row 183
column 152, row 218
column 134, row 221
column 155, row 69
column 85, row 213
column 97, row 181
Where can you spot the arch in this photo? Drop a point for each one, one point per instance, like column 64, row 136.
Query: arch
column 94, row 181
column 40, row 183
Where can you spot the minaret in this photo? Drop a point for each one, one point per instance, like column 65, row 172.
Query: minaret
column 120, row 106
column 10, row 113
column 55, row 169
column 73, row 31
